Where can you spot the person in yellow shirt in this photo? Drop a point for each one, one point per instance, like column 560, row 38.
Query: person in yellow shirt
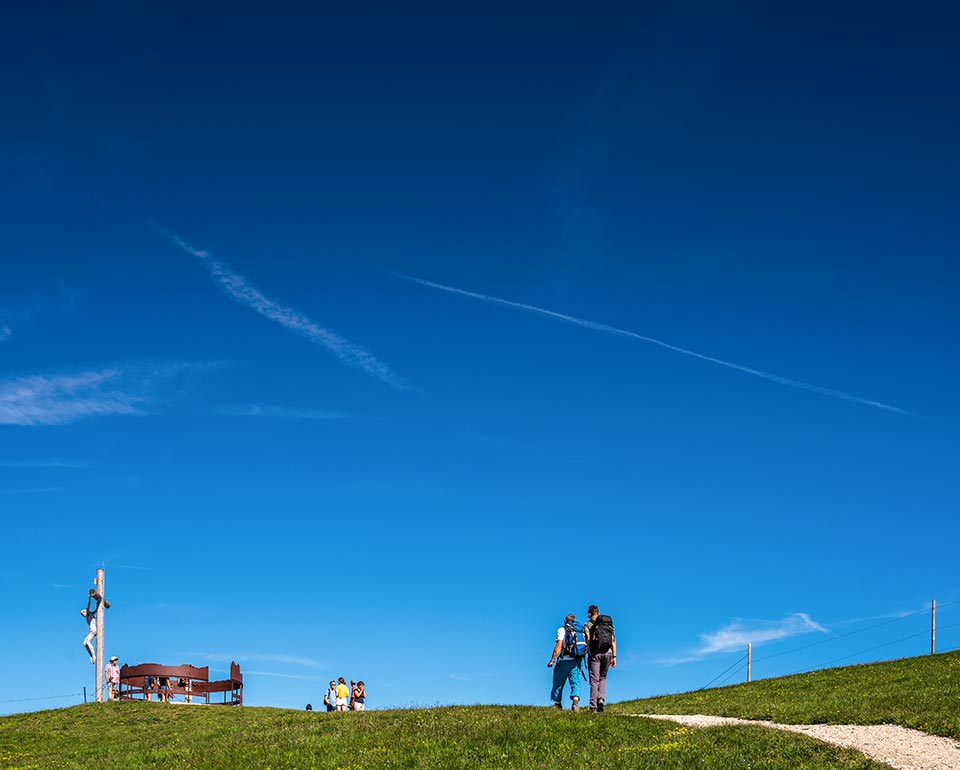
column 343, row 694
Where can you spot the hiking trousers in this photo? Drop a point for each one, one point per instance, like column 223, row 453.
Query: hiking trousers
column 565, row 670
column 599, row 664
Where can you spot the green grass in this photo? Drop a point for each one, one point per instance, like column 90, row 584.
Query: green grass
column 923, row 693
column 915, row 692
column 133, row 736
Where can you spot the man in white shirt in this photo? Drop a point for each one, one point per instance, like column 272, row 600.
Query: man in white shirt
column 566, row 668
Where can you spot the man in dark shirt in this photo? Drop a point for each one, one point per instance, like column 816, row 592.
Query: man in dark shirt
column 602, row 644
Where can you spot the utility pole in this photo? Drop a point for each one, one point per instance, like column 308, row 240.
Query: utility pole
column 933, row 627
column 101, row 613
column 749, row 659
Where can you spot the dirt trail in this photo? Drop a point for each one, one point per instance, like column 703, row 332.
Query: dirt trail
column 899, row 747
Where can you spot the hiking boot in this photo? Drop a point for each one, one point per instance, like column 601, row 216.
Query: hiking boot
column 599, row 705
column 575, row 704
column 558, row 705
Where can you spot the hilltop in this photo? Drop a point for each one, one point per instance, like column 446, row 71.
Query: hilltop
column 142, row 736
column 922, row 693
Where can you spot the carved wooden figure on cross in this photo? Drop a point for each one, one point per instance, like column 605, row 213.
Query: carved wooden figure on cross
column 91, row 618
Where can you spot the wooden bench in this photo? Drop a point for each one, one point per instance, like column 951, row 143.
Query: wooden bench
column 197, row 684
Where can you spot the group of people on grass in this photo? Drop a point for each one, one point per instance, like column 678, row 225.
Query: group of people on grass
column 593, row 643
column 340, row 697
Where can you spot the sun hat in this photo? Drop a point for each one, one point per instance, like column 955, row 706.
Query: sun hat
column 113, row 658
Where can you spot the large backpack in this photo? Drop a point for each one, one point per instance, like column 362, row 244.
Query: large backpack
column 574, row 641
column 601, row 634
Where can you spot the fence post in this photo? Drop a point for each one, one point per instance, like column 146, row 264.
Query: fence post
column 933, row 627
column 749, row 659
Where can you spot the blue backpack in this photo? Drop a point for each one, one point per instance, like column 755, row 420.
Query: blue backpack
column 574, row 641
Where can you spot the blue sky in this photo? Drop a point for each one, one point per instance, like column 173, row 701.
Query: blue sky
column 371, row 345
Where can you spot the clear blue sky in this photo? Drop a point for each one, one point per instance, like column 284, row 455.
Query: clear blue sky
column 218, row 381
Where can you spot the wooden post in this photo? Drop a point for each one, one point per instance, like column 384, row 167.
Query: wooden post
column 933, row 627
column 101, row 613
column 749, row 659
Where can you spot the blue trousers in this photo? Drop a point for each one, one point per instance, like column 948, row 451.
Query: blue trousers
column 565, row 670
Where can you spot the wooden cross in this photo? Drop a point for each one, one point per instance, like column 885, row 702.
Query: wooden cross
column 97, row 593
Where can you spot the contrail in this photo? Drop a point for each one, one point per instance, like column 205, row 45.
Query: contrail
column 599, row 327
column 239, row 289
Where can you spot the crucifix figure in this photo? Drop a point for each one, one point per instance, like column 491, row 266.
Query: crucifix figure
column 91, row 617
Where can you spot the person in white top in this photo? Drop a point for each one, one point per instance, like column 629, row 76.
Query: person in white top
column 112, row 673
column 566, row 668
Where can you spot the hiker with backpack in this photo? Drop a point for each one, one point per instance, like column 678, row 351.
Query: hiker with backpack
column 567, row 661
column 602, row 643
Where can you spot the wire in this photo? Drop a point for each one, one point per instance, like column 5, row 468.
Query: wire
column 858, row 631
column 840, row 636
column 944, row 628
column 48, row 697
column 731, row 676
column 869, row 649
column 736, row 662
column 885, row 644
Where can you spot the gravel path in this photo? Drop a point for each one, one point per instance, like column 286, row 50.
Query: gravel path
column 899, row 747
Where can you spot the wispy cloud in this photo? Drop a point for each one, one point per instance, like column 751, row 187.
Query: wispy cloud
column 604, row 328
column 240, row 290
column 888, row 616
column 106, row 485
column 5, row 332
column 59, row 399
column 36, row 490
column 738, row 634
column 293, row 660
column 64, row 398
column 41, row 464
column 279, row 412
column 299, row 677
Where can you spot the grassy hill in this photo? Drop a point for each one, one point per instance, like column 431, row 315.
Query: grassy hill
column 131, row 736
column 923, row 693
column 914, row 692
